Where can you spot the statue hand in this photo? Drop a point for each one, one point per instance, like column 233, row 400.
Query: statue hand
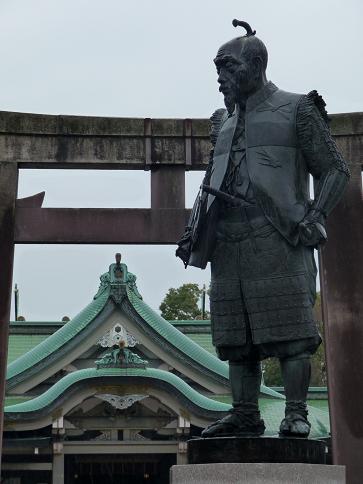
column 311, row 230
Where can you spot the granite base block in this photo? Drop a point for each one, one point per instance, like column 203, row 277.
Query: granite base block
column 249, row 473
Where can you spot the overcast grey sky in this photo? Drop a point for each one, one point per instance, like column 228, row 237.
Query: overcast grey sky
column 145, row 58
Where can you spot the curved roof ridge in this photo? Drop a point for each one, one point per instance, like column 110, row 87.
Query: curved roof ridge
column 67, row 381
column 272, row 409
column 59, row 338
column 158, row 324
column 176, row 337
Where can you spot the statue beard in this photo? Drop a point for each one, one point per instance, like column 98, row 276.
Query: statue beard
column 238, row 93
column 230, row 102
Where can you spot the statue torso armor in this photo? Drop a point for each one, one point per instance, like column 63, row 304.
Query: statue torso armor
column 273, row 161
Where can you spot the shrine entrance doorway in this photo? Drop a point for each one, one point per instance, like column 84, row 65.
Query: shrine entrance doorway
column 118, row 468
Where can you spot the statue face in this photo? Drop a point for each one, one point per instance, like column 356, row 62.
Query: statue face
column 235, row 74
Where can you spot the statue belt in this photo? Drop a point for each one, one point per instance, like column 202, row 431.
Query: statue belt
column 244, row 214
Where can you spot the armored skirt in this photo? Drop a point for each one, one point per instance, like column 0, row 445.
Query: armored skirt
column 262, row 291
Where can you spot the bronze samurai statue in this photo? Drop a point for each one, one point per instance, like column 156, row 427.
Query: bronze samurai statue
column 255, row 222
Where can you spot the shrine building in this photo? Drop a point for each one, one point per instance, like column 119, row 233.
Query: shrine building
column 113, row 394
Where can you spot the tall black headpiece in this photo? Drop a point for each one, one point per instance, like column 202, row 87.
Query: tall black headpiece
column 245, row 25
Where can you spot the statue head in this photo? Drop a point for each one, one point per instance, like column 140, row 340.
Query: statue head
column 241, row 66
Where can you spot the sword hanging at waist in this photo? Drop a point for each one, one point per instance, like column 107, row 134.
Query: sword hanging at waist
column 226, row 197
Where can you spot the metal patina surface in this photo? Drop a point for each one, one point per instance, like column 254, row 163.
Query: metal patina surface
column 253, row 219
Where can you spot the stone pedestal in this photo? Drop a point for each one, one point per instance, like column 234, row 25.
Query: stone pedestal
column 248, row 473
column 255, row 449
column 256, row 460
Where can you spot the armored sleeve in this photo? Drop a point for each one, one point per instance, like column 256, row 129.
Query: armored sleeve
column 216, row 121
column 197, row 216
column 323, row 159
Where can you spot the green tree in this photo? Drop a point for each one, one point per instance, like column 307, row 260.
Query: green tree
column 272, row 373
column 181, row 303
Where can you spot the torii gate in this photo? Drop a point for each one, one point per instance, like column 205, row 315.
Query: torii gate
column 169, row 147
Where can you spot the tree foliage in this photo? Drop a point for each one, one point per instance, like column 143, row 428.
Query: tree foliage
column 181, row 303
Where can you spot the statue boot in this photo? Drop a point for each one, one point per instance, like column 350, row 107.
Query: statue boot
column 244, row 418
column 296, row 376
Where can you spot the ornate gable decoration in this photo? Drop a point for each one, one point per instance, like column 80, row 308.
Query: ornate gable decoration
column 116, row 334
column 117, row 280
column 121, row 357
column 120, row 402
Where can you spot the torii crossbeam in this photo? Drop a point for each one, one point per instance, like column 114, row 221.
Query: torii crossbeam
column 169, row 147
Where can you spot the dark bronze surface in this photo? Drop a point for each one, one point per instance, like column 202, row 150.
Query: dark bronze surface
column 266, row 144
column 255, row 449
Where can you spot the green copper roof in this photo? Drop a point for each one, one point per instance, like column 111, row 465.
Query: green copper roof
column 25, row 324
column 322, row 404
column 203, row 340
column 175, row 337
column 13, row 400
column 114, row 284
column 58, row 339
column 27, row 351
column 19, row 344
column 272, row 410
column 66, row 382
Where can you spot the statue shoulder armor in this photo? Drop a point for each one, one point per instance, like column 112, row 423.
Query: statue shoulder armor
column 217, row 119
column 317, row 99
column 310, row 102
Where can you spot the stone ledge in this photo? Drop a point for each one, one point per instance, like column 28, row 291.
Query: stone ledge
column 257, row 474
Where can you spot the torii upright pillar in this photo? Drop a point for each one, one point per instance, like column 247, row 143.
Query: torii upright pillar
column 8, row 192
column 341, row 273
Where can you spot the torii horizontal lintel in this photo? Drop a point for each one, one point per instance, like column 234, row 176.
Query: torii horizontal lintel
column 99, row 225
